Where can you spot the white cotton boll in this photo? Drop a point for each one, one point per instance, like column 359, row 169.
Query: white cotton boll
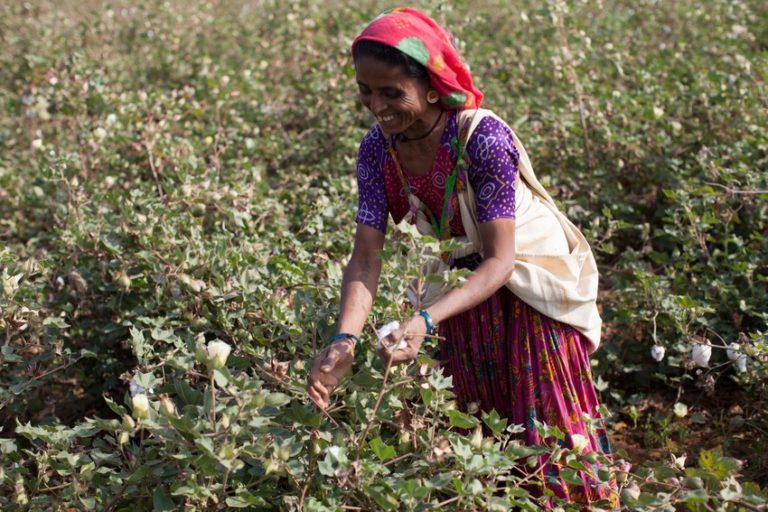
column 737, row 356
column 733, row 351
column 657, row 353
column 700, row 354
column 387, row 329
column 218, row 352
column 580, row 442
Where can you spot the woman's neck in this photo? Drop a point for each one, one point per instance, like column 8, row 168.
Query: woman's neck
column 426, row 129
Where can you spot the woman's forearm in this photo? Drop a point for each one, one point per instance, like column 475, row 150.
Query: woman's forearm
column 358, row 290
column 483, row 282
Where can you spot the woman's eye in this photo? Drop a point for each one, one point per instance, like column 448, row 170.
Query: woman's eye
column 393, row 95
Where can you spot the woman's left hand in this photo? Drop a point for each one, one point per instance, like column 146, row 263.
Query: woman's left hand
column 412, row 332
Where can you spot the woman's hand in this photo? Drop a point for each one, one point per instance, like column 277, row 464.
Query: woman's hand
column 412, row 332
column 328, row 368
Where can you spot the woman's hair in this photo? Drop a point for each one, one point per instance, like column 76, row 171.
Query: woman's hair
column 393, row 57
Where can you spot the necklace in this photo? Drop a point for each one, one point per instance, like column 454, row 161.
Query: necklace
column 405, row 138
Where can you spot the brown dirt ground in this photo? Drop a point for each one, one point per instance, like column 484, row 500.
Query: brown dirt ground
column 732, row 418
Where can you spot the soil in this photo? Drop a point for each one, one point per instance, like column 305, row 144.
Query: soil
column 731, row 417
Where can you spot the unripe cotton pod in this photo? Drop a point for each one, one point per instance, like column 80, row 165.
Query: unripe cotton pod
column 167, row 407
column 477, row 438
column 123, row 281
column 128, row 422
column 631, row 493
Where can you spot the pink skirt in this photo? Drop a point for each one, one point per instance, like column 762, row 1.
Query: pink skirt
column 505, row 355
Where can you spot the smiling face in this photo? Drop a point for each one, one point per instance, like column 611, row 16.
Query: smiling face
column 396, row 100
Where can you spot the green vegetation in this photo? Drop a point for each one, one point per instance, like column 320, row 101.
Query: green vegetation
column 177, row 173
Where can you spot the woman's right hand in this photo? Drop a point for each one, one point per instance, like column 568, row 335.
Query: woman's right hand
column 328, row 368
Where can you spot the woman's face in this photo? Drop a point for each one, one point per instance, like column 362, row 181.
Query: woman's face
column 397, row 101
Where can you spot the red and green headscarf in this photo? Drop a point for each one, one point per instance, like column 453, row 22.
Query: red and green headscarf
column 421, row 38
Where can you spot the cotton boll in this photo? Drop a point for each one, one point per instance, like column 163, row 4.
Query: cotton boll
column 140, row 404
column 387, row 329
column 737, row 356
column 700, row 354
column 657, row 353
column 217, row 352
column 580, row 442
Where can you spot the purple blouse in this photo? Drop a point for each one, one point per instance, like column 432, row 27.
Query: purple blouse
column 492, row 172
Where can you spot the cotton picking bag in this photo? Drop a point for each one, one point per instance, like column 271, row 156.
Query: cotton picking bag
column 555, row 270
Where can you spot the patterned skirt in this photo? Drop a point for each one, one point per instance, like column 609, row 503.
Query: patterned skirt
column 505, row 355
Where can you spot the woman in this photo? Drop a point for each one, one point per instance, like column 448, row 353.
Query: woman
column 421, row 161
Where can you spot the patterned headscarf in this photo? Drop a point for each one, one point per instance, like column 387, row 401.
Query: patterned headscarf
column 421, row 38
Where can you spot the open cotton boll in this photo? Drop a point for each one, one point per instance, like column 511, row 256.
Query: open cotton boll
column 657, row 353
column 737, row 356
column 387, row 329
column 700, row 354
column 733, row 351
column 580, row 442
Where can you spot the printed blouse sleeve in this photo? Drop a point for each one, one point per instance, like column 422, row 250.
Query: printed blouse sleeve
column 493, row 170
column 372, row 208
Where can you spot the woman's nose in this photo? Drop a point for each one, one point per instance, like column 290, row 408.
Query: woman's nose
column 376, row 105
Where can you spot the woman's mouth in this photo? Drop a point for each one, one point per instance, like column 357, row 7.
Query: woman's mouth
column 385, row 119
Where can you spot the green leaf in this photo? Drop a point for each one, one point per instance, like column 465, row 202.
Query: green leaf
column 161, row 501
column 117, row 409
column 384, row 499
column 426, row 395
column 56, row 321
column 187, row 393
column 221, row 376
column 496, row 423
column 277, row 399
column 461, row 420
column 571, row 476
column 246, row 499
column 382, row 450
column 714, row 462
column 413, row 489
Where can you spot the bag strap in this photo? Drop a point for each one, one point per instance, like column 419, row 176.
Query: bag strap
column 441, row 227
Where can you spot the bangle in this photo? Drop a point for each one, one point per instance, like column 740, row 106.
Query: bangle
column 346, row 336
column 428, row 321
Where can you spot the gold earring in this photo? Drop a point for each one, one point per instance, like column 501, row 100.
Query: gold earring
column 432, row 97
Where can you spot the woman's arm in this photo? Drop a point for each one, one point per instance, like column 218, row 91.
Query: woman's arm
column 358, row 289
column 361, row 279
column 498, row 238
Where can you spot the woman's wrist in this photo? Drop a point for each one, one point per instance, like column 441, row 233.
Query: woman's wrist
column 348, row 340
column 428, row 321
